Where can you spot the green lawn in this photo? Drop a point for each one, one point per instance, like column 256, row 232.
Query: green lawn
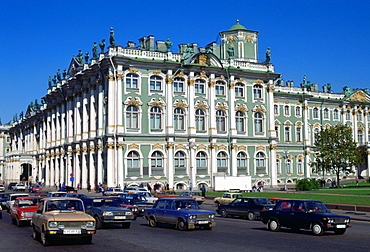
column 314, row 195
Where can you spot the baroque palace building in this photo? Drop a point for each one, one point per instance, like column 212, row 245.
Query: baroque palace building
column 142, row 113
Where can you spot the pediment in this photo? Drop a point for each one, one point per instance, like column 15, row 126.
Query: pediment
column 208, row 59
column 74, row 67
column 359, row 95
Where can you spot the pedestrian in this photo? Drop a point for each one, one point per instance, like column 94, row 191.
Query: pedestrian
column 191, row 187
column 60, row 185
column 149, row 187
column 96, row 187
column 56, row 187
column 203, row 189
column 88, row 187
column 78, row 186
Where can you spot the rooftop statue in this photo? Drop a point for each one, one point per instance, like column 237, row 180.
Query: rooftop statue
column 50, row 82
column 168, row 44
column 111, row 37
column 64, row 74
column 268, row 55
column 328, row 87
column 59, row 75
column 346, row 90
column 230, row 52
column 55, row 79
column 102, row 45
column 87, row 58
column 95, row 50
column 79, row 57
column 188, row 52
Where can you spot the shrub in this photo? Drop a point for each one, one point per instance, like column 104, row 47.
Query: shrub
column 307, row 184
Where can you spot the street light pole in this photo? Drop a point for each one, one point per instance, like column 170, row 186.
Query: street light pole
column 285, row 158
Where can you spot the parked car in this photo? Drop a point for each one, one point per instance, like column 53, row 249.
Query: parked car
column 166, row 194
column 112, row 191
column 34, row 188
column 12, row 198
column 62, row 218
column 306, row 214
column 68, row 189
column 19, row 187
column 2, row 188
column 183, row 213
column 194, row 195
column 227, row 198
column 149, row 197
column 10, row 186
column 138, row 200
column 106, row 210
column 23, row 209
column 56, row 194
column 4, row 197
column 75, row 195
column 245, row 207
column 43, row 194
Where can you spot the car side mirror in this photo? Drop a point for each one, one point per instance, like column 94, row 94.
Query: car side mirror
column 38, row 211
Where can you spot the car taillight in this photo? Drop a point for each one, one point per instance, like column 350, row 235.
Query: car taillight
column 264, row 208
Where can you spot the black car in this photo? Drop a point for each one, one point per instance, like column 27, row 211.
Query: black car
column 68, row 189
column 245, row 207
column 10, row 186
column 106, row 210
column 138, row 200
column 306, row 214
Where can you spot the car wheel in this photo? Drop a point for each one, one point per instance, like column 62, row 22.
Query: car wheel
column 126, row 225
column 317, row 229
column 251, row 216
column 35, row 235
column 217, row 203
column 44, row 239
column 182, row 225
column 223, row 213
column 99, row 223
column 273, row 225
column 88, row 239
column 17, row 222
column 339, row 231
column 152, row 222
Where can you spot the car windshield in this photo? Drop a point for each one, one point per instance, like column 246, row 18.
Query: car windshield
column 170, row 192
column 28, row 202
column 122, row 201
column 186, row 204
column 64, row 205
column 105, row 203
column 262, row 201
column 316, row 206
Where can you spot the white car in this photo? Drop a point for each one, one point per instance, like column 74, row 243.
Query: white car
column 19, row 187
column 112, row 191
column 149, row 197
column 2, row 188
column 56, row 194
column 12, row 198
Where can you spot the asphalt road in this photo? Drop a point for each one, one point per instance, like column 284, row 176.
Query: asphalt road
column 230, row 234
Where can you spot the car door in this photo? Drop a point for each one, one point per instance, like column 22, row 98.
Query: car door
column 299, row 218
column 235, row 207
column 170, row 213
column 158, row 211
column 283, row 213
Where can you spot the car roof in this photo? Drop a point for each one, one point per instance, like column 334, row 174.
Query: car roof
column 59, row 198
column 176, row 198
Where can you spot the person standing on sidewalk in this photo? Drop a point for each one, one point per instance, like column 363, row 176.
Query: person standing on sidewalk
column 203, row 189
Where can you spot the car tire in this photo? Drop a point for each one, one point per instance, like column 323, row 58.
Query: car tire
column 251, row 216
column 223, row 213
column 273, row 225
column 182, row 225
column 99, row 223
column 45, row 239
column 35, row 235
column 126, row 225
column 217, row 203
column 17, row 222
column 88, row 239
column 317, row 229
column 340, row 231
column 152, row 222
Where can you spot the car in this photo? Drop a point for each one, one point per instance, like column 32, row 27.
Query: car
column 107, row 210
column 194, row 195
column 23, row 209
column 166, row 194
column 19, row 187
column 56, row 194
column 43, row 194
column 138, row 200
column 245, row 207
column 62, row 218
column 112, row 191
column 304, row 214
column 10, row 186
column 34, row 188
column 183, row 213
column 275, row 200
column 12, row 198
column 68, row 189
column 125, row 204
column 227, row 198
column 75, row 195
column 2, row 188
column 4, row 197
column 149, row 197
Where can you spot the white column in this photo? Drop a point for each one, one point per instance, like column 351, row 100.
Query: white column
column 170, row 166
column 84, row 174
column 191, row 95
column 212, row 108
column 92, row 165
column 169, row 99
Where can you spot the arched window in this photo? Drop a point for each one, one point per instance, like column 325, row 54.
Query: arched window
column 286, row 110
column 278, row 168
column 180, row 164
column 178, row 84
column 156, row 163
column 221, row 121
column 315, row 113
column 200, row 120
column 132, row 81
column 257, row 91
column 299, row 166
column 199, row 86
column 298, row 134
column 288, row 166
column 239, row 90
column 348, row 115
column 276, row 109
column 287, row 133
column 240, row 121
column 132, row 117
column 155, row 118
column 297, row 111
column 360, row 136
column 222, row 162
column 258, row 123
column 242, row 163
column 201, row 162
column 133, row 163
column 155, row 83
column 220, row 88
column 326, row 113
column 260, row 163
column 336, row 114
column 179, row 119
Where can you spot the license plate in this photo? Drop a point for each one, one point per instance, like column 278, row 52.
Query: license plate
column 202, row 222
column 71, row 231
column 120, row 217
column 341, row 226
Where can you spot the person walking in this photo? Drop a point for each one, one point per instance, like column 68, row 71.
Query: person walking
column 203, row 189
column 88, row 187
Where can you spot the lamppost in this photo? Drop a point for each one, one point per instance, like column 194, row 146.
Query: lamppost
column 285, row 158
column 192, row 148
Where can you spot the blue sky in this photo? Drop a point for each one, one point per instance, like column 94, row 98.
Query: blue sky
column 326, row 40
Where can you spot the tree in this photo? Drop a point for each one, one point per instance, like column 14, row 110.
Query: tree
column 336, row 151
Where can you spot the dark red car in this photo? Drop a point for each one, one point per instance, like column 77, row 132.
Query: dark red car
column 23, row 209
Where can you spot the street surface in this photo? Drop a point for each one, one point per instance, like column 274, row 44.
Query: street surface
column 230, row 234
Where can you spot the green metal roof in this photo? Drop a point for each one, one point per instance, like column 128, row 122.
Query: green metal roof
column 237, row 26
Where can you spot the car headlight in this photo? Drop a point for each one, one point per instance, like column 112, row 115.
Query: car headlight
column 330, row 221
column 128, row 213
column 211, row 216
column 89, row 224
column 107, row 214
column 346, row 221
column 192, row 217
column 53, row 224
